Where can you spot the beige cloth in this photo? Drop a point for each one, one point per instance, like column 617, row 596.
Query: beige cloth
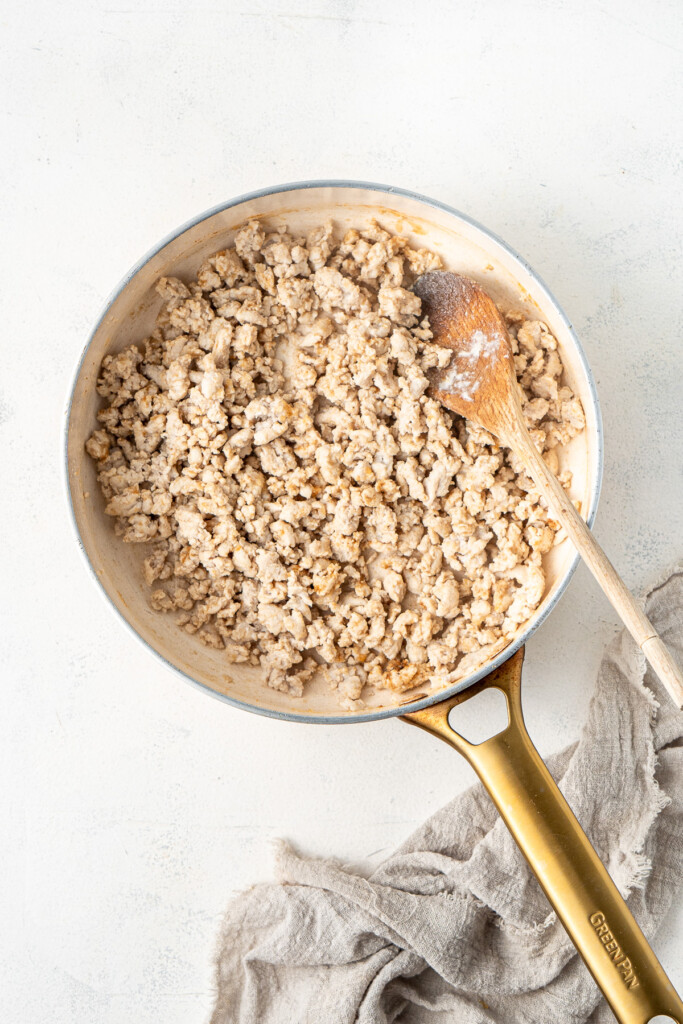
column 453, row 927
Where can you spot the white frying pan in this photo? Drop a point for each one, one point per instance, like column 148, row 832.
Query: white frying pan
column 568, row 869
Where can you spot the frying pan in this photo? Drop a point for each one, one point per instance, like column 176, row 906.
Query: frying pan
column 568, row 869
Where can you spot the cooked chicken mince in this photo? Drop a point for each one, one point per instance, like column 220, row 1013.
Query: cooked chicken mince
column 305, row 505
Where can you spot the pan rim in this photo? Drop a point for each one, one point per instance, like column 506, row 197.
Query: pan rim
column 376, row 714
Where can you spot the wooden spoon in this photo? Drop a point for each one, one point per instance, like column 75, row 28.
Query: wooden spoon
column 480, row 383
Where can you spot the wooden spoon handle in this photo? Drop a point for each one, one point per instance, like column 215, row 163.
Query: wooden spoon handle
column 623, row 601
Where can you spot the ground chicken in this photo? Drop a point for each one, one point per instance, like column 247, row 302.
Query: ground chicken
column 304, row 503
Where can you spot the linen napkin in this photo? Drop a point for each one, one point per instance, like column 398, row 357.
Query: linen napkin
column 453, row 926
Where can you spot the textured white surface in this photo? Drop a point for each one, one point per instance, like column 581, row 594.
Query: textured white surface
column 132, row 805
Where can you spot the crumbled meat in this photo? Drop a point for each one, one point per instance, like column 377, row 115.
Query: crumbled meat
column 305, row 504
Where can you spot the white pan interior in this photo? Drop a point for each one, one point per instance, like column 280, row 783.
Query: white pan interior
column 130, row 316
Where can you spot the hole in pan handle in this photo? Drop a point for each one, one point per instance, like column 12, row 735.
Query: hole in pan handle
column 570, row 872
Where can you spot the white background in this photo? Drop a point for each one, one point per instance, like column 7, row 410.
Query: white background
column 133, row 805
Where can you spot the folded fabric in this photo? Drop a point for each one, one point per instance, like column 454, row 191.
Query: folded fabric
column 453, row 927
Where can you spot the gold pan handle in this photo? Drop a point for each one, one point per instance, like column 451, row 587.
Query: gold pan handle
column 570, row 872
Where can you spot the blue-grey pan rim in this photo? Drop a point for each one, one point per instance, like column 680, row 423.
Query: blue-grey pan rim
column 596, row 482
